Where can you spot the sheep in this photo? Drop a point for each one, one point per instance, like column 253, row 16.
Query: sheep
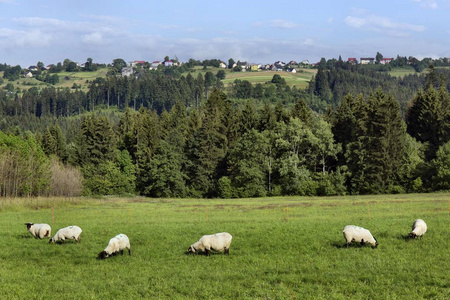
column 217, row 242
column 357, row 234
column 115, row 245
column 39, row 230
column 419, row 228
column 70, row 232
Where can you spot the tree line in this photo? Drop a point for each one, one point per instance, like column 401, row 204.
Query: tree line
column 250, row 148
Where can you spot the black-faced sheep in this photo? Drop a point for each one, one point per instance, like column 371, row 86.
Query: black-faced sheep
column 419, row 228
column 116, row 244
column 357, row 234
column 217, row 242
column 39, row 230
column 70, row 232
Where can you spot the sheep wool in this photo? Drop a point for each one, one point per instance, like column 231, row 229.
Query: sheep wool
column 115, row 245
column 357, row 234
column 419, row 228
column 70, row 232
column 39, row 230
column 217, row 242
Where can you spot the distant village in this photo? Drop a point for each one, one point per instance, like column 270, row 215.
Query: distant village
column 240, row 66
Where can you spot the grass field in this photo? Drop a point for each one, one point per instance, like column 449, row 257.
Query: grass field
column 78, row 78
column 402, row 72
column 300, row 79
column 282, row 248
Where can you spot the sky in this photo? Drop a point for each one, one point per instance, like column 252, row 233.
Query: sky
column 255, row 31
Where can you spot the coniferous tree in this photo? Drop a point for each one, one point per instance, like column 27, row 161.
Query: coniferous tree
column 211, row 145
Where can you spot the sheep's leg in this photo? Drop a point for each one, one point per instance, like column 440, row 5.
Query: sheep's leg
column 227, row 251
column 362, row 242
column 121, row 252
column 207, row 252
column 129, row 251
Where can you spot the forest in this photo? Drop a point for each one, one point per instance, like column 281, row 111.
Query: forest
column 354, row 130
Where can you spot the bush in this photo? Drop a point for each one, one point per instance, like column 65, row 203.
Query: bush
column 225, row 189
column 66, row 180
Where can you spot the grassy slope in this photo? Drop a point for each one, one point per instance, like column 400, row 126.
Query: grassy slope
column 300, row 79
column 282, row 248
column 75, row 77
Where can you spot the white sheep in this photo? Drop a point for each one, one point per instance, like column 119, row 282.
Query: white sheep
column 70, row 232
column 357, row 234
column 217, row 242
column 115, row 245
column 419, row 228
column 39, row 230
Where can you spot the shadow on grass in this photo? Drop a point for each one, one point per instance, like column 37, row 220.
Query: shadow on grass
column 212, row 253
column 24, row 236
column 344, row 245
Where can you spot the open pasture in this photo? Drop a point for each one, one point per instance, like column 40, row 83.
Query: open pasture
column 282, row 248
column 300, row 79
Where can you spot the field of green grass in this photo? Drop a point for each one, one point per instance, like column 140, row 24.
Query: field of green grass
column 300, row 79
column 282, row 248
column 78, row 78
column 402, row 72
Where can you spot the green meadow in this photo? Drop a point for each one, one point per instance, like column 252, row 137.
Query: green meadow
column 282, row 248
column 299, row 79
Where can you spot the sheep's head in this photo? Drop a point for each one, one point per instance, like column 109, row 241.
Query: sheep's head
column 412, row 235
column 51, row 241
column 374, row 245
column 191, row 249
column 102, row 255
column 29, row 225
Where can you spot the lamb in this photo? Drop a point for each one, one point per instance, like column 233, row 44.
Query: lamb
column 357, row 234
column 419, row 228
column 115, row 245
column 39, row 230
column 217, row 242
column 70, row 232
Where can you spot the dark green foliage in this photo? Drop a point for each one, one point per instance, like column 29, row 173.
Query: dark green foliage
column 259, row 140
column 110, row 177
column 12, row 73
column 53, row 142
column 428, row 118
column 248, row 166
column 441, row 165
column 375, row 155
column 221, row 75
column 95, row 141
column 24, row 168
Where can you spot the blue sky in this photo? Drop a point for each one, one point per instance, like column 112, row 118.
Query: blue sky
column 255, row 31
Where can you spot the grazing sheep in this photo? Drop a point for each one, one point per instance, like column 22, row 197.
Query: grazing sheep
column 357, row 234
column 217, row 242
column 115, row 245
column 70, row 232
column 39, row 230
column 419, row 228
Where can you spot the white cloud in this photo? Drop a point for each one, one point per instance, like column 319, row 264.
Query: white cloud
column 283, row 24
column 383, row 25
column 93, row 38
column 432, row 4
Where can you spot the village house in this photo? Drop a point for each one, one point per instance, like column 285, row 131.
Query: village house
column 352, row 60
column 154, row 65
column 127, row 71
column 367, row 60
column 137, row 63
column 384, row 61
